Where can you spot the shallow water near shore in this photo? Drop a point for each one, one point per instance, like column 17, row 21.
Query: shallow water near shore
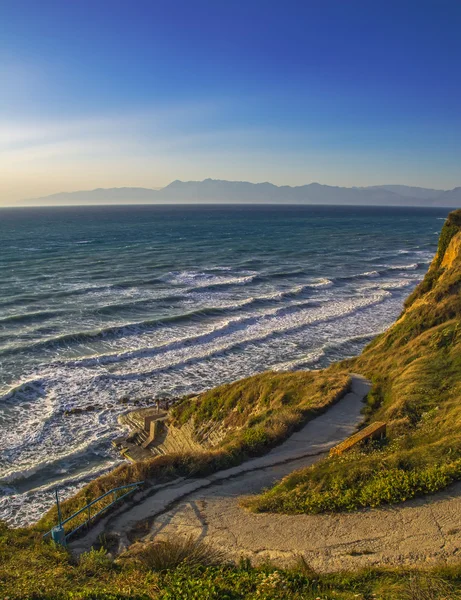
column 104, row 306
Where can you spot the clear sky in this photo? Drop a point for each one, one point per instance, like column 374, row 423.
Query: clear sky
column 107, row 93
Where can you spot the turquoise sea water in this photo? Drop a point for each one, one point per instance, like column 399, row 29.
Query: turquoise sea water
column 99, row 304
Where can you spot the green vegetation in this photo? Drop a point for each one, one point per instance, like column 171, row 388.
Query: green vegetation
column 415, row 367
column 256, row 413
column 265, row 402
column 186, row 570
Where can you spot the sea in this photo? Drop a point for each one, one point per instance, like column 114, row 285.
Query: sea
column 106, row 308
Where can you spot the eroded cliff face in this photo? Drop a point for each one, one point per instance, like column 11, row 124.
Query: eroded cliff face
column 248, row 413
column 445, row 266
column 435, row 301
column 452, row 253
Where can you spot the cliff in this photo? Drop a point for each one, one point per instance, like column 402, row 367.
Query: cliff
column 415, row 367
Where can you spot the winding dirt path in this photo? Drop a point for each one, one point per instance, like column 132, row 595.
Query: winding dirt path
column 422, row 531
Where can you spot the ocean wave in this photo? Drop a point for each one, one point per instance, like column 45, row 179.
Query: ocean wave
column 113, row 331
column 21, row 318
column 204, row 279
column 236, row 333
column 221, row 326
column 14, row 475
column 313, row 357
column 137, row 327
column 24, row 389
column 410, row 267
column 353, row 276
column 186, row 281
column 282, row 274
column 225, row 306
column 391, row 284
column 322, row 282
column 380, row 271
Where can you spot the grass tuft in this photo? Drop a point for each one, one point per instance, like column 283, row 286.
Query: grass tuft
column 161, row 555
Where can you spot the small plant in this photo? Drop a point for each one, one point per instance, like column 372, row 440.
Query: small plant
column 94, row 561
column 302, row 567
column 161, row 555
column 421, row 586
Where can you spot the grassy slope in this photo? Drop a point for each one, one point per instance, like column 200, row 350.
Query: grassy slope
column 416, row 370
column 268, row 405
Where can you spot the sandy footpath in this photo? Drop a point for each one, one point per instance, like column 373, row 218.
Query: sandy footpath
column 423, row 531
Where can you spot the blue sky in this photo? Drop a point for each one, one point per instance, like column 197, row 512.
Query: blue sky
column 107, row 93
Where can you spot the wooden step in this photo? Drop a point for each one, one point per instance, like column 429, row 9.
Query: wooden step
column 374, row 431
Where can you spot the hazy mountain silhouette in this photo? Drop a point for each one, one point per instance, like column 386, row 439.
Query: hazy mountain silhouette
column 242, row 192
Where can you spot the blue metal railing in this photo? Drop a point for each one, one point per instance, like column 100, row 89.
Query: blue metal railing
column 59, row 535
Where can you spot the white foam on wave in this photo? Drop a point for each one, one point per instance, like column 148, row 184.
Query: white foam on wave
column 410, row 267
column 33, row 398
column 197, row 279
column 424, row 256
column 360, row 275
column 27, row 469
column 267, row 321
column 311, row 358
column 390, row 284
column 114, row 334
column 322, row 282
column 230, row 334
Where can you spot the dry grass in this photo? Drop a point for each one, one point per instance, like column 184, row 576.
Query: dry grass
column 171, row 553
column 424, row 586
column 253, row 400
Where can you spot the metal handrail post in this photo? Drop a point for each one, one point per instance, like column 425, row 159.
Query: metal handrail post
column 58, row 506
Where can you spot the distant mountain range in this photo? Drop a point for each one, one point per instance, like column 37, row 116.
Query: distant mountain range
column 212, row 191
